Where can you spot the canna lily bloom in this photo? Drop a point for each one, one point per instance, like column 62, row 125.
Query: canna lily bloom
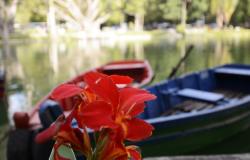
column 68, row 90
column 108, row 109
column 116, row 108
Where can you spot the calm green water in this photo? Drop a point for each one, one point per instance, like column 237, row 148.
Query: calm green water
column 34, row 67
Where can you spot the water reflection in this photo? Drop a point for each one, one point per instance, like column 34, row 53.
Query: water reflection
column 53, row 56
column 40, row 65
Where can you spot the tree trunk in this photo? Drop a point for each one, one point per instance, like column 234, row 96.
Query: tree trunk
column 51, row 20
column 139, row 22
column 7, row 17
column 183, row 13
column 219, row 20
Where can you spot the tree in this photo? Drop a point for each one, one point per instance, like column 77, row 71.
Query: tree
column 171, row 10
column 184, row 13
column 7, row 16
column 137, row 8
column 116, row 10
column 153, row 11
column 175, row 10
column 197, row 9
column 242, row 13
column 223, row 9
column 85, row 15
column 51, row 20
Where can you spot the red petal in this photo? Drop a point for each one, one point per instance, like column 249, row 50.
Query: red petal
column 96, row 115
column 114, row 150
column 65, row 91
column 131, row 100
column 50, row 132
column 137, row 109
column 138, row 129
column 134, row 153
column 121, row 79
column 103, row 86
column 47, row 134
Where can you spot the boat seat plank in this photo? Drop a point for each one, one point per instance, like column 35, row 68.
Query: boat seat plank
column 124, row 66
column 200, row 95
column 233, row 71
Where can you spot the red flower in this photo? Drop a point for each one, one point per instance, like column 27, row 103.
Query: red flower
column 121, row 106
column 106, row 108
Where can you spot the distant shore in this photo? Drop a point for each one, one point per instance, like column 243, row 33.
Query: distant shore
column 146, row 35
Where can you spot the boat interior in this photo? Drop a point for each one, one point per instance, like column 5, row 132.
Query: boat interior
column 199, row 91
column 136, row 69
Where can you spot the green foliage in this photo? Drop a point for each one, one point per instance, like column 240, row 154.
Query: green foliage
column 242, row 12
column 153, row 11
column 7, row 2
column 31, row 11
column 136, row 6
column 171, row 10
column 197, row 9
column 115, row 8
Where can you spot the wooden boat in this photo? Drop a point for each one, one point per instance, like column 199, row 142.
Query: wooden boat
column 139, row 70
column 198, row 110
column 32, row 122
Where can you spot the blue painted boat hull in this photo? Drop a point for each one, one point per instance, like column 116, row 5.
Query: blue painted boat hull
column 189, row 135
column 190, row 132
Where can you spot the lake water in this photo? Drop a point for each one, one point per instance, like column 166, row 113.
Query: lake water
column 34, row 67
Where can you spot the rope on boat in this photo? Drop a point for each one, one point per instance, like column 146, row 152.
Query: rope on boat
column 175, row 69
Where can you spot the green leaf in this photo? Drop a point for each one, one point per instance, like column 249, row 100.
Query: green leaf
column 64, row 151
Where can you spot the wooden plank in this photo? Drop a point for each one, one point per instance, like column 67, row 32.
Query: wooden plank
column 231, row 94
column 233, row 71
column 124, row 66
column 200, row 95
